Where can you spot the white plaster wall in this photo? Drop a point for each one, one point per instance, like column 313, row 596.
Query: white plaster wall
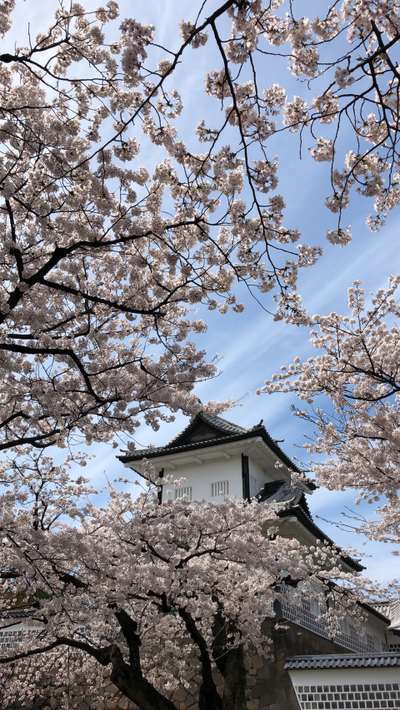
column 200, row 476
column 258, row 476
column 268, row 464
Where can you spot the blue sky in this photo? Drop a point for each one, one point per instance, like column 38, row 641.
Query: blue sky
column 251, row 346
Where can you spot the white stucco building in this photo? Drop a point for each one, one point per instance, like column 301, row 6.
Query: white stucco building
column 216, row 459
column 336, row 682
column 315, row 667
column 212, row 459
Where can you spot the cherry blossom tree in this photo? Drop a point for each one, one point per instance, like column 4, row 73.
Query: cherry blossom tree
column 151, row 598
column 351, row 387
column 105, row 257
column 348, row 55
column 102, row 254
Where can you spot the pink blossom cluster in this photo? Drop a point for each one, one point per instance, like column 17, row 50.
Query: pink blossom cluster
column 357, row 438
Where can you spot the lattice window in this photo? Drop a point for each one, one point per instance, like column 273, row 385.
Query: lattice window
column 13, row 636
column 309, row 613
column 219, row 488
column 303, row 617
column 379, row 696
column 183, row 492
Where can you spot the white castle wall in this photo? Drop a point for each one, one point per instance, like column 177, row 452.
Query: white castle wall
column 200, row 476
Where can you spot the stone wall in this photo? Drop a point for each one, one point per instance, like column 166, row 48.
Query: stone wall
column 268, row 685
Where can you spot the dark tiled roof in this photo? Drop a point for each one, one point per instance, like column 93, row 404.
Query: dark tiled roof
column 391, row 610
column 221, row 426
column 293, row 503
column 381, row 660
column 16, row 613
column 155, row 451
column 305, row 519
column 283, row 492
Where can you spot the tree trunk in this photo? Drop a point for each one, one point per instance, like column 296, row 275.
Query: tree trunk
column 209, row 698
column 230, row 664
column 234, row 673
column 139, row 690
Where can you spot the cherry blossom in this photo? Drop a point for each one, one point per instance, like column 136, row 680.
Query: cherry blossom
column 82, row 353
column 140, row 596
column 107, row 257
column 351, row 389
column 85, row 354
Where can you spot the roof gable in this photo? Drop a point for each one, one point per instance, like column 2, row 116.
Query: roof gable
column 204, row 427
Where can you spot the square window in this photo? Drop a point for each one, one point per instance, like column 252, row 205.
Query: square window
column 183, row 492
column 219, row 488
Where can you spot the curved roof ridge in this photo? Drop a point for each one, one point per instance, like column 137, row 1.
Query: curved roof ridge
column 213, row 420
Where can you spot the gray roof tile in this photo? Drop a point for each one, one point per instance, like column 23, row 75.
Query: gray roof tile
column 381, row 660
column 390, row 609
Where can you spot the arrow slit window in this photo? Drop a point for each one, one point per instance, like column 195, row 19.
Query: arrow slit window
column 183, row 492
column 219, row 488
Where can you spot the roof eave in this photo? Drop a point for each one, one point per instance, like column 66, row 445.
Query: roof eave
column 162, row 452
column 252, row 433
column 298, row 513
